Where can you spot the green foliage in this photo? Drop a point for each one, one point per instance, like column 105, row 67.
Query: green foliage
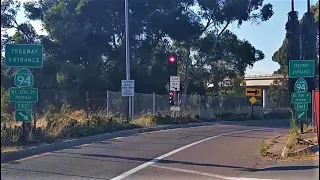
column 84, row 48
column 279, row 94
column 293, row 128
column 84, row 51
column 4, row 101
column 280, row 56
column 263, row 148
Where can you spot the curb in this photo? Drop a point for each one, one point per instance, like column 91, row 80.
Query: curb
column 66, row 144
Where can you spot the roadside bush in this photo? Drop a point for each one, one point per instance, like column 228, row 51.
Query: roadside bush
column 294, row 131
column 148, row 119
column 55, row 124
column 10, row 135
column 264, row 148
column 5, row 117
column 4, row 101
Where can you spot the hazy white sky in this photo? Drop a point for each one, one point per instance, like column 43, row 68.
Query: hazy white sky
column 267, row 36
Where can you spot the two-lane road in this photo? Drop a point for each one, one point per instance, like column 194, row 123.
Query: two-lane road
column 220, row 152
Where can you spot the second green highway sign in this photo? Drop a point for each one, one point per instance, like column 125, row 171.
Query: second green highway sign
column 301, row 97
column 23, row 94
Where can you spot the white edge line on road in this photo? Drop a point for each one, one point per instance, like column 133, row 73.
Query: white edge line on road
column 206, row 174
column 149, row 163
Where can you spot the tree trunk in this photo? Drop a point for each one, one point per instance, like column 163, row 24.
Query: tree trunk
column 187, row 81
column 308, row 44
column 293, row 36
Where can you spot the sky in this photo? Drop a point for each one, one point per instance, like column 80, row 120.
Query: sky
column 266, row 36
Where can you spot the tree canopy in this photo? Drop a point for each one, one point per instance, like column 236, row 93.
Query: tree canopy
column 280, row 56
column 85, row 45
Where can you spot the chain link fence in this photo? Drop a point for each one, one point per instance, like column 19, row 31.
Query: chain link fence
column 207, row 107
column 112, row 102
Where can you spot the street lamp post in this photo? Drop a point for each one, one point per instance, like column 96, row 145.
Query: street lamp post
column 126, row 21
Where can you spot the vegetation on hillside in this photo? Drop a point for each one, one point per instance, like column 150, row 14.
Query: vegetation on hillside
column 84, row 54
column 280, row 56
column 84, row 48
column 301, row 42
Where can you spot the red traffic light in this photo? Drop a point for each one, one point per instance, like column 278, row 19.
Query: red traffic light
column 171, row 93
column 172, row 59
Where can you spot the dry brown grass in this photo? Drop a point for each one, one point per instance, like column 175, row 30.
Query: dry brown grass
column 145, row 120
column 308, row 128
column 315, row 140
column 292, row 142
column 7, row 149
column 76, row 123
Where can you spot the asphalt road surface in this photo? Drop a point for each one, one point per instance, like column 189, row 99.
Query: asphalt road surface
column 219, row 152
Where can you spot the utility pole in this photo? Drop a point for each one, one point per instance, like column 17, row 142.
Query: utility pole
column 126, row 21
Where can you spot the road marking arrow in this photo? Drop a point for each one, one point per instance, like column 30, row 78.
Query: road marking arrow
column 25, row 117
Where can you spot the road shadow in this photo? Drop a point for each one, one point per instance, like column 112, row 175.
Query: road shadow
column 248, row 169
column 69, row 176
column 288, row 168
column 265, row 123
column 143, row 160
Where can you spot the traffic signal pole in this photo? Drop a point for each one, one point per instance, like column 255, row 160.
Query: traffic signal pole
column 173, row 72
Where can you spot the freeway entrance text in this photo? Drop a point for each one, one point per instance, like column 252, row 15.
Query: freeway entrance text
column 24, row 55
column 301, row 68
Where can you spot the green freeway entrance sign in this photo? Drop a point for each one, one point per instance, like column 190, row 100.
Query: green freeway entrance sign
column 23, row 94
column 23, row 106
column 23, row 115
column 23, row 78
column 24, row 55
column 301, row 115
column 301, row 106
column 301, row 97
column 301, row 85
column 301, row 68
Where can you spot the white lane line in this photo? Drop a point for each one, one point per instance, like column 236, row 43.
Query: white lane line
column 144, row 165
column 206, row 174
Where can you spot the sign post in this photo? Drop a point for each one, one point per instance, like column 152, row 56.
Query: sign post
column 253, row 93
column 23, row 56
column 316, row 110
column 175, row 87
column 301, row 97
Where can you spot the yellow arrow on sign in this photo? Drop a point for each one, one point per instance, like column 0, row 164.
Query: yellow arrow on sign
column 253, row 92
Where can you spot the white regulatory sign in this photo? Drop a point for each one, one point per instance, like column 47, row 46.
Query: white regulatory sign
column 127, row 87
column 175, row 108
column 174, row 83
